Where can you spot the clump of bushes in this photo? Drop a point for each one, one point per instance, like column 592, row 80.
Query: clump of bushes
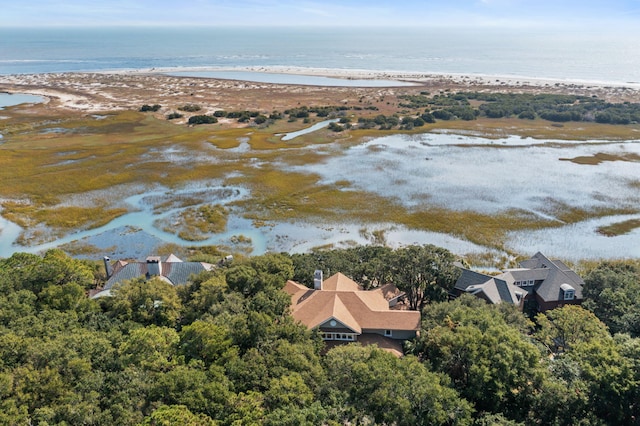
column 202, row 119
column 174, row 115
column 150, row 108
column 190, row 108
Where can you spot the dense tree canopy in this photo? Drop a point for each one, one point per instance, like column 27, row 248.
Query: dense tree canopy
column 551, row 107
column 612, row 292
column 223, row 350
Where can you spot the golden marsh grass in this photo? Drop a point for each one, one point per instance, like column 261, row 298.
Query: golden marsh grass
column 619, row 228
column 40, row 170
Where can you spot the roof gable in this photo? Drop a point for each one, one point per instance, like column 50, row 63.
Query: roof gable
column 549, row 277
column 340, row 282
column 496, row 291
column 335, row 324
column 355, row 309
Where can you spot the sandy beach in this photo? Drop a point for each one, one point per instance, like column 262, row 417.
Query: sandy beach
column 125, row 89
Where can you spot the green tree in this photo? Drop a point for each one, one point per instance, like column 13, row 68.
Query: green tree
column 170, row 415
column 147, row 302
column 490, row 362
column 560, row 329
column 150, row 347
column 35, row 273
column 612, row 292
column 424, row 273
column 201, row 390
column 209, row 343
column 369, row 383
column 267, row 271
column 202, row 119
column 610, row 378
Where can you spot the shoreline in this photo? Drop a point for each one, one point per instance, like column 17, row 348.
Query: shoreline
column 352, row 74
column 128, row 88
column 363, row 74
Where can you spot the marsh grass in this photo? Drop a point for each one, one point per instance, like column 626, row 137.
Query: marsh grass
column 619, row 228
column 63, row 218
column 77, row 248
column 125, row 148
column 571, row 214
column 538, row 129
column 197, row 223
column 483, row 229
column 278, row 195
column 602, row 157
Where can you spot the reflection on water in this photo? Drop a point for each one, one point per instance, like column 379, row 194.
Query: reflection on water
column 145, row 211
column 420, row 171
column 489, row 176
column 277, row 78
column 9, row 233
column 11, row 99
column 317, row 126
column 580, row 240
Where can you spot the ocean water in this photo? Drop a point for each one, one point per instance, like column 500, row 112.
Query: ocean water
column 599, row 55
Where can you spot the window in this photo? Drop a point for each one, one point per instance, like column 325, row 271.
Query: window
column 350, row 337
column 388, row 333
column 568, row 292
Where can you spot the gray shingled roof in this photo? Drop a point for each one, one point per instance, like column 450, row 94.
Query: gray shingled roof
column 513, row 275
column 468, row 278
column 550, row 288
column 551, row 273
column 496, row 291
column 174, row 270
column 179, row 272
column 503, row 291
column 128, row 272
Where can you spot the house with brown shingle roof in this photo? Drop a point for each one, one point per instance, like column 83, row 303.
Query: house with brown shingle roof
column 344, row 312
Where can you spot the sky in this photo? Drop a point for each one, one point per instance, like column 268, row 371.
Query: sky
column 216, row 13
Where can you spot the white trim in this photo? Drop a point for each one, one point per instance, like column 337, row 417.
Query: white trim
column 347, row 337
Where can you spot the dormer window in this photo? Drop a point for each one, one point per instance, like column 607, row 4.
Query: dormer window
column 569, row 293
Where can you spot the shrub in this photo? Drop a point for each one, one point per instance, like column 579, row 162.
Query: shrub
column 442, row 114
column 528, row 115
column 174, row 115
column 152, row 108
column 190, row 108
column 202, row 119
column 428, row 117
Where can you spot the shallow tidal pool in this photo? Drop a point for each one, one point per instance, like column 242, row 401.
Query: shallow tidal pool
column 452, row 172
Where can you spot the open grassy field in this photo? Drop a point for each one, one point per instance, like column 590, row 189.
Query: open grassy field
column 63, row 169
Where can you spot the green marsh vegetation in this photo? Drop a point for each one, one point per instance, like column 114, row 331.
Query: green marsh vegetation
column 197, row 223
column 125, row 150
column 620, row 228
